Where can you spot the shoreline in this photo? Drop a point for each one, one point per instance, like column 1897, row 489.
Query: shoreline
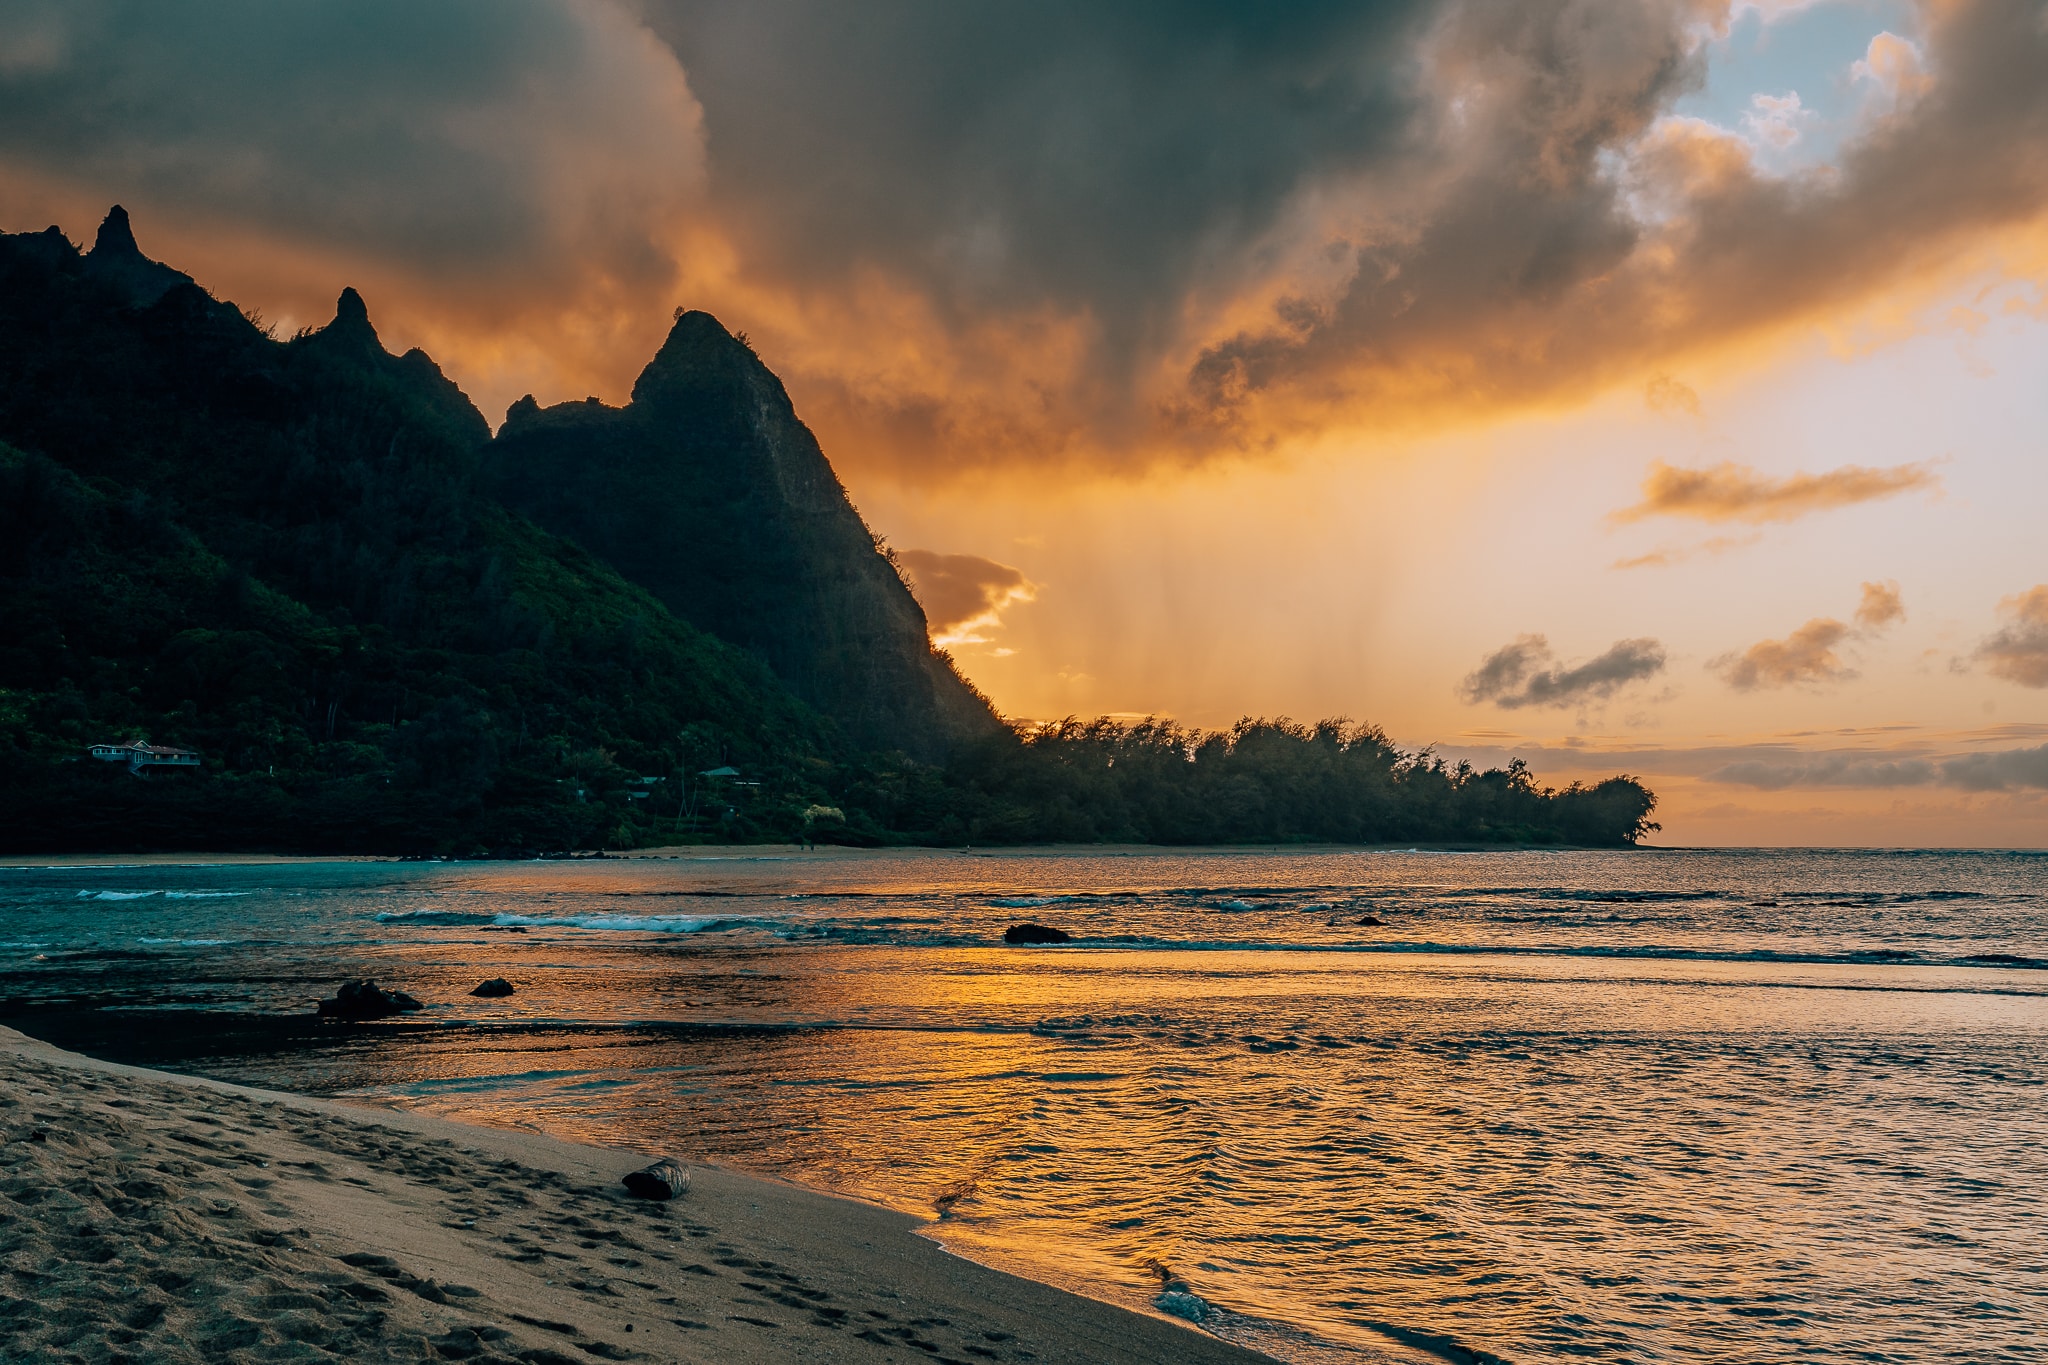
column 823, row 853
column 180, row 1217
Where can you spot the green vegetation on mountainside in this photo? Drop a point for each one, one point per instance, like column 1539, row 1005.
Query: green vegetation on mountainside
column 284, row 554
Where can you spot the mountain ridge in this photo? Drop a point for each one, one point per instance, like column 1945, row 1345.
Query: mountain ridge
column 307, row 559
column 707, row 489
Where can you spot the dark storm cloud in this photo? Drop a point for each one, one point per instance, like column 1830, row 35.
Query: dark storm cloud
column 1007, row 154
column 1272, row 218
column 485, row 137
column 990, row 233
column 1526, row 673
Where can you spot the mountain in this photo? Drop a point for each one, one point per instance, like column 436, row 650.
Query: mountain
column 385, row 629
column 279, row 553
column 706, row 490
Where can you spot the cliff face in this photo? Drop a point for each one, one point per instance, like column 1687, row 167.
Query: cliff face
column 278, row 553
column 709, row 492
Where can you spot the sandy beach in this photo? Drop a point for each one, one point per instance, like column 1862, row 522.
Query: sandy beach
column 157, row 1217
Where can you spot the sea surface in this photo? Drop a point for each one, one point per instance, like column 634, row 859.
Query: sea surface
column 1649, row 1106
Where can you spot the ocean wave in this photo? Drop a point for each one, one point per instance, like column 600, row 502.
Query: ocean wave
column 190, row 942
column 643, row 924
column 167, row 895
column 1027, row 902
column 1851, row 957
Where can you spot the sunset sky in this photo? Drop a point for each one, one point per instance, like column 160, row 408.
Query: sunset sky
column 1652, row 387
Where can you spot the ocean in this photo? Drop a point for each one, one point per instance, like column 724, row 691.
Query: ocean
column 1748, row 1106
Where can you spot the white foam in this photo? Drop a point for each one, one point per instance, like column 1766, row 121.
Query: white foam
column 1182, row 1305
column 116, row 895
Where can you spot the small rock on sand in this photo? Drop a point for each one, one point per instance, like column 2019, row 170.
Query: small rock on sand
column 1036, row 933
column 665, row 1179
column 493, row 988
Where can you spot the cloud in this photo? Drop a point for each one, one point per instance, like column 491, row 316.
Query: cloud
column 963, row 596
column 1827, row 770
column 2004, row 771
column 1881, row 606
column 1524, row 673
column 1733, row 492
column 974, row 235
column 2019, row 652
column 1678, row 554
column 1807, row 655
column 1667, row 395
column 1776, row 119
column 473, row 136
column 1895, row 66
column 495, row 175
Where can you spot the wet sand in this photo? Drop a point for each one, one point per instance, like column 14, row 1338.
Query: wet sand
column 168, row 1218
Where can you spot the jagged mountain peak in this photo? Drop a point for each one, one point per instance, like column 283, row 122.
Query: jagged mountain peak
column 116, row 261
column 116, row 236
column 351, row 326
column 698, row 348
column 709, row 491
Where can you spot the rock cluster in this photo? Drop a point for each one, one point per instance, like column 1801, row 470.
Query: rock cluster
column 366, row 1000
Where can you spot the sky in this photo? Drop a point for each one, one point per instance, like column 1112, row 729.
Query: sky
column 1646, row 386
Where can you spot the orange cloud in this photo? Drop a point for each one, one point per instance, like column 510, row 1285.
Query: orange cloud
column 1881, row 606
column 1806, row 656
column 963, row 596
column 2019, row 652
column 1013, row 238
column 1733, row 492
column 1678, row 554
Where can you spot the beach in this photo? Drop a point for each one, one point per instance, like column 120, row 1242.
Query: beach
column 167, row 1218
column 1326, row 1106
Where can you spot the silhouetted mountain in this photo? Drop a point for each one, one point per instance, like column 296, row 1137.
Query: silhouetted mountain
column 276, row 552
column 287, row 555
column 707, row 490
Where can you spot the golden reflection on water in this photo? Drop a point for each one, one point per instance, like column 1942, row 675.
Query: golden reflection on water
column 1712, row 1107
column 1305, row 1138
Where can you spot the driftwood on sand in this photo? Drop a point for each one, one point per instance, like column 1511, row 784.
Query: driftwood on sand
column 665, row 1179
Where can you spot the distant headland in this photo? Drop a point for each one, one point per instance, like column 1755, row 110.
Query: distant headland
column 341, row 614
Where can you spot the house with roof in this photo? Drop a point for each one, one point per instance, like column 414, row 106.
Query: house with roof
column 142, row 756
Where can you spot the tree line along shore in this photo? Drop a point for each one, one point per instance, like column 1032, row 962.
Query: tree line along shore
column 379, row 626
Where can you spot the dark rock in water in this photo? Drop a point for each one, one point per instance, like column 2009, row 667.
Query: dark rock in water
column 1036, row 933
column 365, row 1000
column 496, row 986
column 665, row 1179
column 1372, row 921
